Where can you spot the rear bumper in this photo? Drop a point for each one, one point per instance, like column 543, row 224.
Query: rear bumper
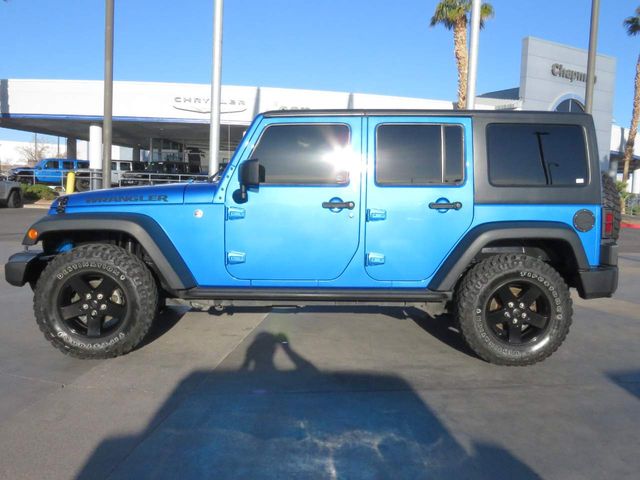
column 23, row 267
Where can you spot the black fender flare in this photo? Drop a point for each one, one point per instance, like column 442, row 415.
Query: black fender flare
column 477, row 238
column 170, row 265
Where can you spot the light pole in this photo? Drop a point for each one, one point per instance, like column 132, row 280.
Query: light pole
column 591, row 61
column 107, row 124
column 472, row 73
column 216, row 78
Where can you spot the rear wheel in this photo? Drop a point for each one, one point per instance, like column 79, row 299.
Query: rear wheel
column 513, row 309
column 15, row 199
column 96, row 301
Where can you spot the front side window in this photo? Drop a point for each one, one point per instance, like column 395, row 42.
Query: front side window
column 537, row 155
column 125, row 167
column 419, row 154
column 51, row 165
column 304, row 154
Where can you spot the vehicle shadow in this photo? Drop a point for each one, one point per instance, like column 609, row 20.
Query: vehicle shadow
column 628, row 380
column 269, row 413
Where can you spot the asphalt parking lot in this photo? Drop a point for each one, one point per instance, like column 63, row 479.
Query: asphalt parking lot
column 311, row 393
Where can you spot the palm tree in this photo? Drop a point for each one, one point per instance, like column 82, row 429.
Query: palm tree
column 632, row 24
column 454, row 15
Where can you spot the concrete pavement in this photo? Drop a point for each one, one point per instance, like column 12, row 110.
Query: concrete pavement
column 320, row 393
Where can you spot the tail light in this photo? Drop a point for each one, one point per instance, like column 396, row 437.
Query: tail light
column 607, row 230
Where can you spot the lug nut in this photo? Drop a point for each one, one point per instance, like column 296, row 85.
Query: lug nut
column 524, row 315
column 88, row 296
column 100, row 296
column 94, row 313
column 522, row 305
column 103, row 307
column 85, row 307
column 515, row 321
column 507, row 314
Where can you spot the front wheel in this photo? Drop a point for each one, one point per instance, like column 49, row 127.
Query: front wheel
column 15, row 199
column 513, row 309
column 96, row 301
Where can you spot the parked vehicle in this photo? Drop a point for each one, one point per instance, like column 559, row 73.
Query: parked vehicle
column 163, row 172
column 10, row 194
column 118, row 169
column 492, row 215
column 49, row 171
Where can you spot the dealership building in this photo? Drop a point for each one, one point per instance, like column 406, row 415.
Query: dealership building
column 170, row 121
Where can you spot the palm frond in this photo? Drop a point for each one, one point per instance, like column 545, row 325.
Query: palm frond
column 632, row 24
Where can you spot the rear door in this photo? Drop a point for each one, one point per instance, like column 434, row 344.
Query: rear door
column 302, row 223
column 419, row 194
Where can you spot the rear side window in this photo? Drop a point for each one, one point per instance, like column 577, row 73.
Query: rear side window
column 304, row 154
column 537, row 155
column 419, row 154
column 67, row 165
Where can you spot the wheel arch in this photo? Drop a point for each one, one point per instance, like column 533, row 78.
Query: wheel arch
column 554, row 242
column 167, row 262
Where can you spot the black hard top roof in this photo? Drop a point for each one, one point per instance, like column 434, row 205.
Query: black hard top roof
column 417, row 113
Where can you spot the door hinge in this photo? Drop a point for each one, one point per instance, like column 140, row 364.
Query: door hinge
column 375, row 214
column 236, row 257
column 235, row 213
column 375, row 258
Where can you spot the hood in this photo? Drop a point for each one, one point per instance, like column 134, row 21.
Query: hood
column 148, row 195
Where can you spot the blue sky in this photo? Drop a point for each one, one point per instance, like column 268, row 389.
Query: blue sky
column 371, row 46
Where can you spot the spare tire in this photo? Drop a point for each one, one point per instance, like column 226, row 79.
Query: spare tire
column 611, row 201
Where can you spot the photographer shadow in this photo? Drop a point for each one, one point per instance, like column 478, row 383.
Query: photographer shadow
column 268, row 413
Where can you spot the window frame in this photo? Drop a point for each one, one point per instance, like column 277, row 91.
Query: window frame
column 440, row 184
column 307, row 124
column 546, row 185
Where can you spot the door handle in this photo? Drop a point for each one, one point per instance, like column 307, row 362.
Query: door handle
column 445, row 206
column 338, row 205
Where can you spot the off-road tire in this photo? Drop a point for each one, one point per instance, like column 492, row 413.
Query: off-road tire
column 132, row 277
column 611, row 201
column 479, row 286
column 15, row 199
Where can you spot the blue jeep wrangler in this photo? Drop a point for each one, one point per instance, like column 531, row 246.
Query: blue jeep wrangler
column 493, row 215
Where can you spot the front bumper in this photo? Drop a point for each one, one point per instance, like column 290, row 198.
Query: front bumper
column 23, row 267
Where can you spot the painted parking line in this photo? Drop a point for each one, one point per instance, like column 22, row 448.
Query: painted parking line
column 630, row 225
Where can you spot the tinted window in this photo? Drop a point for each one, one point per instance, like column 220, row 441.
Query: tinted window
column 67, row 165
column 125, row 167
column 532, row 154
column 51, row 164
column 304, row 154
column 419, row 154
column 83, row 164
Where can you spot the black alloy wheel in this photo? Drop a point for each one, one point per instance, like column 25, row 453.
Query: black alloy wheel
column 517, row 313
column 92, row 304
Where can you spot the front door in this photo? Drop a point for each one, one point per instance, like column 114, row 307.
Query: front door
column 302, row 223
column 419, row 194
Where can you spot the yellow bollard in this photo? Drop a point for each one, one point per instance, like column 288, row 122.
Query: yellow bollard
column 71, row 182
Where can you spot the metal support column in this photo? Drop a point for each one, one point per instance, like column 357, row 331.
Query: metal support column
column 591, row 62
column 107, row 125
column 216, row 77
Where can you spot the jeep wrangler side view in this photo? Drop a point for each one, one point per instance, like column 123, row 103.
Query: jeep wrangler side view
column 493, row 215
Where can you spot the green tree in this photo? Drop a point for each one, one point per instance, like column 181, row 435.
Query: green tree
column 632, row 25
column 454, row 15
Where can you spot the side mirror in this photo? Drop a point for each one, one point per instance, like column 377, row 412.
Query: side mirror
column 251, row 175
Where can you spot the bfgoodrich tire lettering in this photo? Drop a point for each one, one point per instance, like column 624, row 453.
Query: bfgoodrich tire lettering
column 96, row 301
column 513, row 309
